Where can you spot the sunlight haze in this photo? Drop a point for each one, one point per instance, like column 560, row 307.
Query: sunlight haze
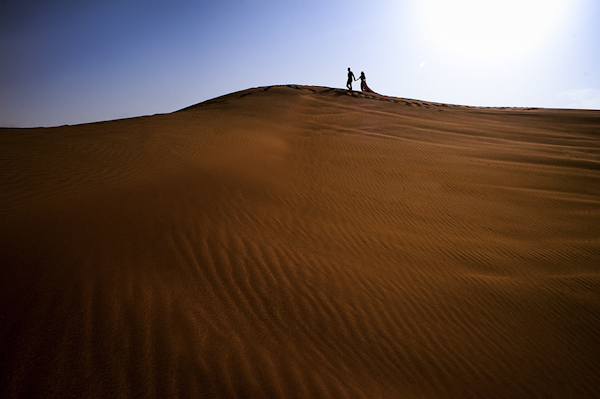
column 492, row 28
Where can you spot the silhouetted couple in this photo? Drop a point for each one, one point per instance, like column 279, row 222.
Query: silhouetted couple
column 363, row 82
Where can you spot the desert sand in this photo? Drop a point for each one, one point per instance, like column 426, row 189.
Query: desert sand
column 303, row 242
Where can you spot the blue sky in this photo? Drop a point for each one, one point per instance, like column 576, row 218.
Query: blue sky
column 77, row 61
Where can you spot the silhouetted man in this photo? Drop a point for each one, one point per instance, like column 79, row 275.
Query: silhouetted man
column 350, row 79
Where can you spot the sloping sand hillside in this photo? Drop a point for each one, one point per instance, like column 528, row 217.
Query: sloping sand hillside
column 303, row 242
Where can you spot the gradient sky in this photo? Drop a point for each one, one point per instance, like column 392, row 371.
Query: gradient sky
column 76, row 61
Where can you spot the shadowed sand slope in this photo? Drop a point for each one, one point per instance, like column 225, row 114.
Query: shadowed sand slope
column 303, row 242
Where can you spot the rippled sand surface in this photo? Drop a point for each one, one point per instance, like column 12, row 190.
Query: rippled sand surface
column 303, row 242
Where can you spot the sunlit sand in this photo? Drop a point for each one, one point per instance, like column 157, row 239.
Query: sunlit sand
column 303, row 242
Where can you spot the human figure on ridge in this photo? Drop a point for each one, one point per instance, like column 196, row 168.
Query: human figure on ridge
column 363, row 83
column 350, row 79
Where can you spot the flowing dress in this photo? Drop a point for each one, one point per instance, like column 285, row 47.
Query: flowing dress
column 363, row 85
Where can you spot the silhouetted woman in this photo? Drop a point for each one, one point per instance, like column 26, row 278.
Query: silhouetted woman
column 363, row 83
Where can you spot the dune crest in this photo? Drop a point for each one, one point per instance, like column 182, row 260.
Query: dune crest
column 303, row 242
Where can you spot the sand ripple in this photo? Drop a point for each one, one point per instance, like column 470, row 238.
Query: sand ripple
column 303, row 242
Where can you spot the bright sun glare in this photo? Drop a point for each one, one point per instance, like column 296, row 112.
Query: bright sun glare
column 491, row 28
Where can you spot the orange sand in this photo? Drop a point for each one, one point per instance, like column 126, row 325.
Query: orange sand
column 303, row 242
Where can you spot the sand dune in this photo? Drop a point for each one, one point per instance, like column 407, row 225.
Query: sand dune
column 303, row 242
